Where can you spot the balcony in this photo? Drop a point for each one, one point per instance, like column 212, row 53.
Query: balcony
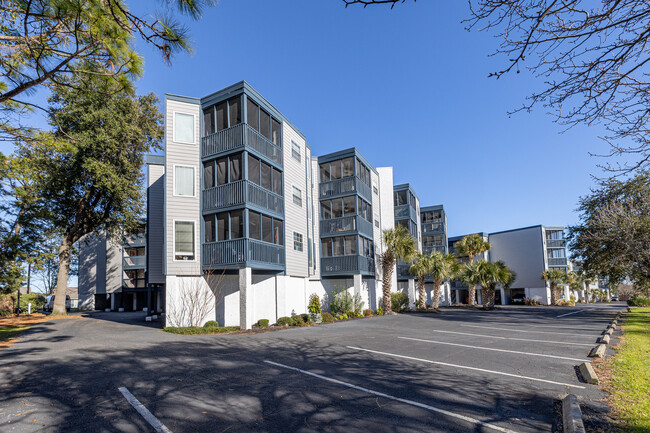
column 133, row 283
column 555, row 243
column 432, row 228
column 345, row 186
column 239, row 193
column 427, row 249
column 403, row 272
column 240, row 136
column 405, row 211
column 242, row 252
column 137, row 240
column 346, row 265
column 134, row 262
column 557, row 261
column 345, row 225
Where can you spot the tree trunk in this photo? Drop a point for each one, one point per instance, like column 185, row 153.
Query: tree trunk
column 62, row 279
column 553, row 293
column 422, row 293
column 485, row 297
column 436, row 295
column 472, row 295
column 387, row 267
column 491, row 297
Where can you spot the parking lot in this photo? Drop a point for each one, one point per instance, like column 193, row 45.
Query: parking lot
column 460, row 370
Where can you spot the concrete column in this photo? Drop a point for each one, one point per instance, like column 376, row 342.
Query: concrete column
column 504, row 301
column 245, row 298
column 447, row 293
column 567, row 293
column 357, row 280
column 280, row 297
column 411, row 292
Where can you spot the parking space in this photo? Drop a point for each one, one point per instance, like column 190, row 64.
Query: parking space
column 460, row 370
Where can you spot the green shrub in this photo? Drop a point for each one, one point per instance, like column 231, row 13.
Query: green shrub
column 306, row 318
column 37, row 300
column 639, row 301
column 314, row 304
column 400, row 301
column 4, row 313
column 327, row 317
column 211, row 324
column 367, row 312
column 379, row 312
column 192, row 330
column 298, row 320
column 285, row 321
column 263, row 323
column 342, row 316
column 344, row 303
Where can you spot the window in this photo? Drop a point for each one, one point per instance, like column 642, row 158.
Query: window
column 363, row 172
column 222, row 226
column 335, row 169
column 184, row 240
column 184, row 128
column 338, row 246
column 325, row 172
column 326, row 247
column 350, row 245
column 208, row 174
column 348, row 167
column 337, row 208
column 326, row 209
column 265, row 175
column 184, row 181
column 348, row 205
column 277, row 182
column 400, row 198
column 235, row 167
column 265, row 124
column 375, row 190
column 208, row 228
column 222, row 171
column 412, row 200
column 208, row 121
column 254, row 225
column 267, row 229
column 234, row 105
column 297, row 196
column 236, row 224
column 222, row 116
column 277, row 232
column 376, row 223
column 297, row 241
column 253, row 113
column 263, row 227
column 295, row 151
column 253, row 169
column 275, row 131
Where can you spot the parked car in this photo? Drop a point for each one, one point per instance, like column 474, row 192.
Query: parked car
column 49, row 303
column 614, row 298
column 518, row 299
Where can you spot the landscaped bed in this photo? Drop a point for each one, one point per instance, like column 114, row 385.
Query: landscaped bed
column 626, row 375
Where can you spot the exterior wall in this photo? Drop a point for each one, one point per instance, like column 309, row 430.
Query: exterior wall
column 113, row 262
column 183, row 291
column 315, row 202
column 387, row 215
column 155, row 223
column 295, row 217
column 523, row 252
column 376, row 218
column 181, row 208
column 92, row 270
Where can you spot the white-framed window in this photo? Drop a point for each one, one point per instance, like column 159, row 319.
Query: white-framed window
column 184, row 240
column 297, row 196
column 295, row 151
column 297, row 241
column 184, row 183
column 376, row 223
column 375, row 190
column 184, row 128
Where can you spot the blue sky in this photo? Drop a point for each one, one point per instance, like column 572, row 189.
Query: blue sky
column 409, row 88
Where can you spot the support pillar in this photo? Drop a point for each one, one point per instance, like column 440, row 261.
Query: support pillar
column 411, row 292
column 503, row 296
column 245, row 298
column 358, row 283
column 567, row 293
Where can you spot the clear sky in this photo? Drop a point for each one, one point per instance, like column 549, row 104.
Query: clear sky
column 409, row 88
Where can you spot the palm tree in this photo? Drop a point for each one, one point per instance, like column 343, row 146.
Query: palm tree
column 492, row 275
column 576, row 280
column 420, row 269
column 471, row 246
column 440, row 268
column 554, row 277
column 399, row 245
column 469, row 275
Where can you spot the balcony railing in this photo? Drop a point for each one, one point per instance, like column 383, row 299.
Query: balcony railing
column 134, row 261
column 351, row 184
column 134, row 240
column 555, row 243
column 347, row 264
column 240, row 136
column 242, row 252
column 405, row 211
column 345, row 225
column 557, row 261
column 432, row 228
column 427, row 249
column 134, row 283
column 239, row 193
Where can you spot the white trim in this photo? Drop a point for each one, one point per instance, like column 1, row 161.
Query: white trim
column 193, row 167
column 142, row 410
column 174, row 127
column 174, row 221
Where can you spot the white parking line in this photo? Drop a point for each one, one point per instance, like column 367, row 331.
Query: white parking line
column 525, row 330
column 514, row 338
column 148, row 416
column 466, row 367
column 568, row 314
column 496, row 350
column 401, row 400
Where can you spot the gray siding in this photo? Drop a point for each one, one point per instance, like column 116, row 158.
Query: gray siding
column 92, row 269
column 181, row 208
column 113, row 263
column 295, row 217
column 523, row 252
column 155, row 223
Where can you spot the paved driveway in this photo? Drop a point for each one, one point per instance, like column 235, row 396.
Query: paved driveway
column 456, row 371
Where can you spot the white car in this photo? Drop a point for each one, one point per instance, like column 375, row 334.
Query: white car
column 49, row 303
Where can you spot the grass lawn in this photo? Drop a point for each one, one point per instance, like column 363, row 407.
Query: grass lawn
column 629, row 374
column 10, row 332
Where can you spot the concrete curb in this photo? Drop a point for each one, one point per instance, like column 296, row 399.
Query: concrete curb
column 572, row 415
column 608, row 331
column 613, row 325
column 604, row 339
column 598, row 351
column 588, row 373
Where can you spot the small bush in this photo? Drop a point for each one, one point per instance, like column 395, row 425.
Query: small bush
column 565, row 303
column 211, row 324
column 297, row 320
column 399, row 301
column 531, row 301
column 314, row 304
column 4, row 313
column 285, row 321
column 263, row 323
column 327, row 317
column 37, row 300
column 305, row 318
column 379, row 312
column 367, row 312
column 344, row 303
column 639, row 301
column 192, row 330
